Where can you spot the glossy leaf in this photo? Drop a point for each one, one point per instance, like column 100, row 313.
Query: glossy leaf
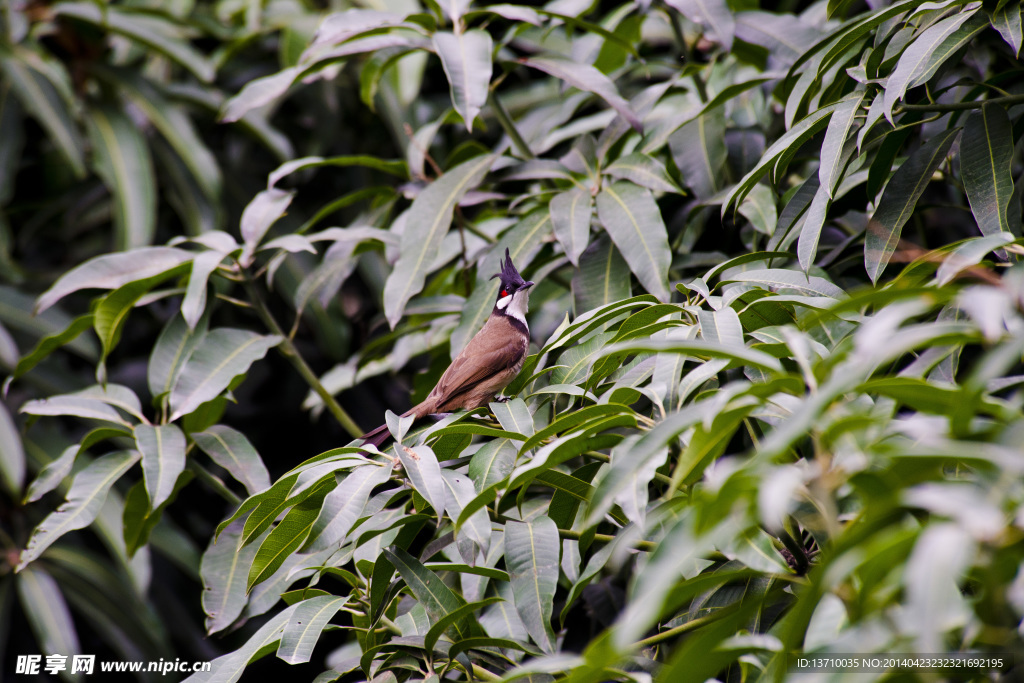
column 632, row 219
column 466, row 58
column 531, row 555
column 429, row 219
column 713, row 15
column 222, row 355
column 585, row 77
column 985, row 150
column 163, row 459
column 570, row 219
column 111, row 271
column 343, row 506
column 231, row 450
column 85, row 497
column 899, row 199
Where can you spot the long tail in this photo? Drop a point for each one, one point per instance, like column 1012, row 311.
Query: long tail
column 377, row 436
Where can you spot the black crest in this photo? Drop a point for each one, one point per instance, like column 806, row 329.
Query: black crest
column 509, row 275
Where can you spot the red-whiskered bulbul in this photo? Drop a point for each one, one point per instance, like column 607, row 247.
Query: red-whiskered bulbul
column 488, row 363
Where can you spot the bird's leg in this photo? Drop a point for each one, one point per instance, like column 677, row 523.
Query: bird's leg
column 437, row 417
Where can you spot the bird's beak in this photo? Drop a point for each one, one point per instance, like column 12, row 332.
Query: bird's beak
column 528, row 284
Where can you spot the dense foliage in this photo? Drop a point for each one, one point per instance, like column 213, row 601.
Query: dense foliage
column 773, row 405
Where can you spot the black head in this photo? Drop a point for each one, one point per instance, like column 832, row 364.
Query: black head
column 511, row 280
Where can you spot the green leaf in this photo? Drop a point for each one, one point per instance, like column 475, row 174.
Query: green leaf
column 721, row 326
column 122, row 159
column 785, row 145
column 163, row 459
column 150, row 30
column 43, row 604
column 697, row 347
column 261, row 213
column 698, row 150
column 257, row 93
column 51, row 343
column 531, row 556
column 464, row 612
column 52, row 474
column 570, row 219
column 466, row 58
column 174, row 124
column 514, row 416
column 755, row 549
column 302, row 631
column 585, row 77
column 343, row 506
column 140, row 518
column 424, row 474
column 899, row 199
column 228, row 668
column 429, row 219
column 42, row 98
column 1007, row 21
column 111, row 271
column 85, row 498
column 12, row 454
column 633, row 220
column 427, row 587
column 288, row 536
column 986, row 148
column 918, row 59
column 603, row 277
column 781, row 278
column 224, row 568
column 810, row 232
column 713, row 15
column 194, row 304
column 644, row 171
column 758, row 207
column 222, row 355
column 231, row 450
column 492, row 463
column 72, row 404
column 173, row 348
column 476, row 529
column 830, row 171
column 111, row 313
column 391, row 167
column 968, row 254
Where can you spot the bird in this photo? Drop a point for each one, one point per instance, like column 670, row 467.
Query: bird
column 488, row 363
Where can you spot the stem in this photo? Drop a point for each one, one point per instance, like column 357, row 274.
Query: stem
column 287, row 348
column 649, row 546
column 677, row 31
column 962, row 106
column 214, row 482
column 684, row 628
column 509, row 127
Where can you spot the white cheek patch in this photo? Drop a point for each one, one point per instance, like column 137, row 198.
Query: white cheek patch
column 504, row 301
column 518, row 307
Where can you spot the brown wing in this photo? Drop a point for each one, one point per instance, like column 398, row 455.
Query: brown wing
column 492, row 351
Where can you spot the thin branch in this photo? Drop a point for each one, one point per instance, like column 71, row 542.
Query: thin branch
column 687, row 627
column 288, row 349
column 509, row 127
column 962, row 106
